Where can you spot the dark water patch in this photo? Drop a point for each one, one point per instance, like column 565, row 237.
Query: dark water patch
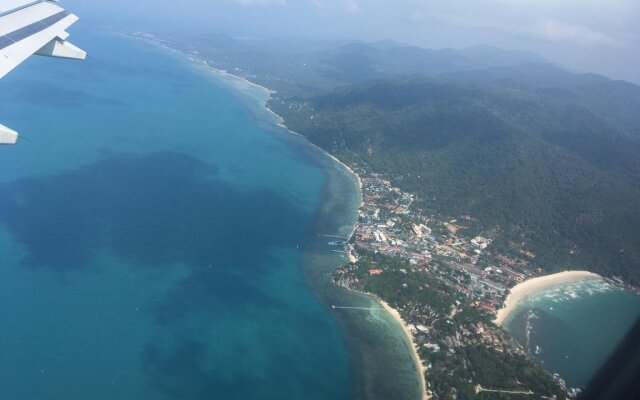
column 224, row 334
column 198, row 368
column 185, row 373
column 158, row 210
column 207, row 291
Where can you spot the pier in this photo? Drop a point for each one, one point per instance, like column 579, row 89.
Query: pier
column 334, row 236
column 479, row 389
column 355, row 308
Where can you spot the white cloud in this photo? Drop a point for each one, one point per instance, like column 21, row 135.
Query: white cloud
column 549, row 21
column 557, row 31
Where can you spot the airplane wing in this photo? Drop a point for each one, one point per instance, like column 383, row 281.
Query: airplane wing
column 29, row 27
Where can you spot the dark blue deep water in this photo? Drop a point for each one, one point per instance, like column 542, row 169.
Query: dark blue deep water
column 151, row 238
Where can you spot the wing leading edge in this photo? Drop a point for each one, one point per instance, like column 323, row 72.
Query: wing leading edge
column 30, row 27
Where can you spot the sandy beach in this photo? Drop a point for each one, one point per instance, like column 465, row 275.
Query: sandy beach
column 416, row 357
column 529, row 287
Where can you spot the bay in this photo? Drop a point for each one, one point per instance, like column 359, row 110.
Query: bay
column 573, row 328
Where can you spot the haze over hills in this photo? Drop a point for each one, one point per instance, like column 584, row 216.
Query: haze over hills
column 304, row 67
column 361, row 62
column 547, row 157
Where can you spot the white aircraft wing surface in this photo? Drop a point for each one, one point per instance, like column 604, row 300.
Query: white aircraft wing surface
column 29, row 27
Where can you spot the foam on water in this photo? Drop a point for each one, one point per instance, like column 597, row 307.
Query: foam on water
column 572, row 328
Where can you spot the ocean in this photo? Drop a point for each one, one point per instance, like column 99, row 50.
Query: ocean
column 571, row 329
column 162, row 238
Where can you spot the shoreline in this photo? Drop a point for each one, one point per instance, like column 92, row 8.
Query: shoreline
column 415, row 355
column 522, row 291
column 243, row 83
column 240, row 84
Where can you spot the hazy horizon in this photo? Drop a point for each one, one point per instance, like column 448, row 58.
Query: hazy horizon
column 582, row 35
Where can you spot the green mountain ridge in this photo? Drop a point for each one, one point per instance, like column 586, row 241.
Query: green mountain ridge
column 545, row 169
column 616, row 102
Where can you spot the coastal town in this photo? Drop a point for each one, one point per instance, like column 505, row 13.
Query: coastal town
column 390, row 223
column 447, row 285
column 449, row 278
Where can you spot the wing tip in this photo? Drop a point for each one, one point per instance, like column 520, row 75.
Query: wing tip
column 62, row 49
column 7, row 136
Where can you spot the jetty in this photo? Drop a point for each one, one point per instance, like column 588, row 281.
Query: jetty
column 479, row 389
column 355, row 308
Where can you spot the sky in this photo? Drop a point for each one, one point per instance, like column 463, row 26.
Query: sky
column 600, row 36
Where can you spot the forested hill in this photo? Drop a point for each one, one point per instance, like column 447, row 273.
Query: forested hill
column 556, row 166
column 550, row 157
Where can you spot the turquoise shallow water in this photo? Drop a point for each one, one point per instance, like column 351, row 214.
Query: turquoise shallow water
column 572, row 329
column 151, row 239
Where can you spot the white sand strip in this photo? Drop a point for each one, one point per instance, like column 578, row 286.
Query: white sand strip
column 532, row 286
